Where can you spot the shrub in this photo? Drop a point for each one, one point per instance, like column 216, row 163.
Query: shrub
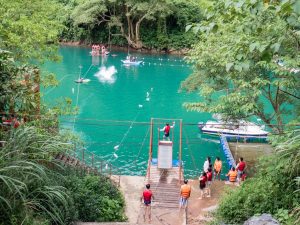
column 273, row 189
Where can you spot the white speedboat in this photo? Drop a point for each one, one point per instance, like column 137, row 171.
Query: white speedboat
column 241, row 128
column 129, row 62
column 81, row 80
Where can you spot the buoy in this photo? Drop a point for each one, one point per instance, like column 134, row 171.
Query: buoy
column 115, row 155
column 106, row 166
column 140, row 106
column 151, row 89
column 116, row 147
column 73, row 90
column 148, row 99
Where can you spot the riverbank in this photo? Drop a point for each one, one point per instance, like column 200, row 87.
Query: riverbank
column 171, row 51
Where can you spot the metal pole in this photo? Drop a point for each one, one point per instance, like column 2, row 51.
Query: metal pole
column 180, row 151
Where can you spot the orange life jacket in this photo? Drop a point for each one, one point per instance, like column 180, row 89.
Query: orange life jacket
column 185, row 191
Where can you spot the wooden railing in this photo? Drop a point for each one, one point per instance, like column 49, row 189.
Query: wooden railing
column 96, row 164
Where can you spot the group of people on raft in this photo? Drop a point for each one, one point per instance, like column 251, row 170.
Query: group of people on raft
column 98, row 50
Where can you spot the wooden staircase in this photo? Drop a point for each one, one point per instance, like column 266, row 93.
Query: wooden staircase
column 165, row 187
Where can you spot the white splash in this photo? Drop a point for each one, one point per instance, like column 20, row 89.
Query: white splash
column 106, row 75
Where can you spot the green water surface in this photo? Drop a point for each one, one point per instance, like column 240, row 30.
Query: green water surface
column 113, row 110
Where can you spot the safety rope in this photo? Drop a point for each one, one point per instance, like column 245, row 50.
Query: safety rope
column 188, row 147
column 88, row 70
column 134, row 162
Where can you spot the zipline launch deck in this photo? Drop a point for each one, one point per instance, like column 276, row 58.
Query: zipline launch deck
column 164, row 174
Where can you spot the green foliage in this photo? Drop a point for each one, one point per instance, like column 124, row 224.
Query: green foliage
column 30, row 28
column 273, row 189
column 147, row 24
column 236, row 65
column 95, row 198
column 28, row 188
column 18, row 85
column 36, row 190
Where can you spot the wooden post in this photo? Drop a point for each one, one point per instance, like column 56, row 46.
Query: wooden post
column 109, row 170
column 93, row 160
column 180, row 152
column 83, row 155
column 150, row 148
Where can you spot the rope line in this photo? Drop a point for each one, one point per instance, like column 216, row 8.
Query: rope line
column 88, row 70
column 188, row 147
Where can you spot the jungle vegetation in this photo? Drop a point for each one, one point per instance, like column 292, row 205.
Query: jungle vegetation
column 34, row 188
column 156, row 24
column 246, row 62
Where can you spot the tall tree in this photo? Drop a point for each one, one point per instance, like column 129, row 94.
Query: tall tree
column 127, row 16
column 247, row 60
column 30, row 28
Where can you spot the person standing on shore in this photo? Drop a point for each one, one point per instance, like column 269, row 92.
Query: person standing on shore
column 185, row 192
column 202, row 184
column 217, row 168
column 146, row 198
column 240, row 167
column 207, row 164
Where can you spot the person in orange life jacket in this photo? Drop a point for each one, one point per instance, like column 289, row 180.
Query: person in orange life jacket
column 167, row 129
column 202, row 185
column 217, row 168
column 146, row 198
column 185, row 192
column 209, row 180
column 232, row 175
column 241, row 166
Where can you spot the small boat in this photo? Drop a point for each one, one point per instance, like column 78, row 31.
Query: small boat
column 241, row 128
column 128, row 62
column 81, row 80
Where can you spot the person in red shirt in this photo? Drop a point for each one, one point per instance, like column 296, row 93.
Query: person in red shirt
column 241, row 166
column 209, row 180
column 166, row 130
column 146, row 198
column 202, row 185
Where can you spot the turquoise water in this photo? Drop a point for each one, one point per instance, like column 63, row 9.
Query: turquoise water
column 114, row 110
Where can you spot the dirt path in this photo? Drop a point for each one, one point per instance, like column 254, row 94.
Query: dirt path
column 199, row 210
